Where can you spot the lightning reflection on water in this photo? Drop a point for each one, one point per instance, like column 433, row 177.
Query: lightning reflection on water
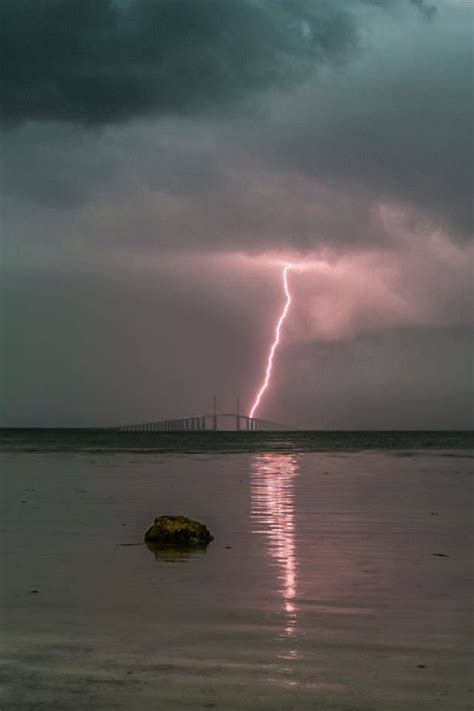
column 273, row 516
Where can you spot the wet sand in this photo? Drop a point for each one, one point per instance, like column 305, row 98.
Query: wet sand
column 335, row 581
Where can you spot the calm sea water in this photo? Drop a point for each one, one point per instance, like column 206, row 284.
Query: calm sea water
column 96, row 440
column 340, row 576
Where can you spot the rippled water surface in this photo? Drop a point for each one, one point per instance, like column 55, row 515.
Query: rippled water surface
column 340, row 576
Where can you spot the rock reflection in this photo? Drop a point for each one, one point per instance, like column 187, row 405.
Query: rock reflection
column 174, row 555
column 273, row 513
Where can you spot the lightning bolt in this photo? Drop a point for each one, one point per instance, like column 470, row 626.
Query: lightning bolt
column 276, row 341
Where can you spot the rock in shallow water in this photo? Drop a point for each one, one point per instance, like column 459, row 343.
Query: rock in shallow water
column 178, row 532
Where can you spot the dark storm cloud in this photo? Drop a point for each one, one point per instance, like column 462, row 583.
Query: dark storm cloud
column 99, row 61
column 398, row 122
column 394, row 124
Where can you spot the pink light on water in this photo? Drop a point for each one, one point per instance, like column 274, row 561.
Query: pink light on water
column 276, row 341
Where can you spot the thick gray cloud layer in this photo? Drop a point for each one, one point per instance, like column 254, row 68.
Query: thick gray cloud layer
column 400, row 124
column 97, row 61
column 394, row 124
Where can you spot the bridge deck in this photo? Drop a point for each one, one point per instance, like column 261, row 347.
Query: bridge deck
column 203, row 423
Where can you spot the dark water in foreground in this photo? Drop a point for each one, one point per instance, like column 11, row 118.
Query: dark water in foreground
column 340, row 576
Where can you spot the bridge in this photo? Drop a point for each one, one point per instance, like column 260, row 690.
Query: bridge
column 209, row 422
column 201, row 423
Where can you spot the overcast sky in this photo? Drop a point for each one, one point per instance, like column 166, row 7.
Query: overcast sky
column 163, row 159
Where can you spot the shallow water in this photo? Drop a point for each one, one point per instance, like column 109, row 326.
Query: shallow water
column 339, row 578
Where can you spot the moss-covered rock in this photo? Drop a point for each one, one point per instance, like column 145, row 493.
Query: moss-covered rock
column 178, row 532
